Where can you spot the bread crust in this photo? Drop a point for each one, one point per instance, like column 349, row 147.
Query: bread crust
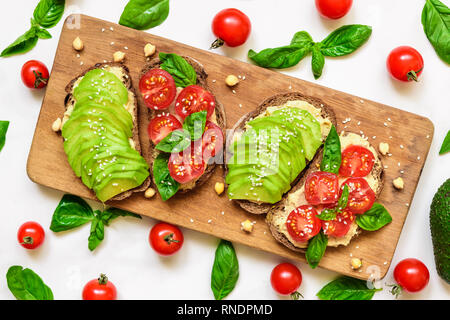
column 219, row 111
column 69, row 101
column 377, row 172
column 276, row 100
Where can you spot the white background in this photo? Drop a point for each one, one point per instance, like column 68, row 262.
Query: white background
column 64, row 261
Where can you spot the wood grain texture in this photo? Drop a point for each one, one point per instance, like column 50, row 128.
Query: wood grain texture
column 48, row 166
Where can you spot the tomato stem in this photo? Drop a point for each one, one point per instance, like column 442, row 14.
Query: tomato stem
column 27, row 240
column 396, row 290
column 169, row 239
column 296, row 295
column 39, row 79
column 217, row 44
column 103, row 279
column 412, row 75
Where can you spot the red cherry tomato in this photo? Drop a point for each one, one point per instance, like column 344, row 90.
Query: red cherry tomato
column 231, row 27
column 166, row 239
column 100, row 289
column 188, row 164
column 302, row 223
column 31, row 235
column 340, row 225
column 158, row 89
column 286, row 279
column 321, row 188
column 212, row 140
column 360, row 196
column 411, row 275
column 161, row 125
column 34, row 74
column 357, row 161
column 194, row 99
column 333, row 9
column 405, row 63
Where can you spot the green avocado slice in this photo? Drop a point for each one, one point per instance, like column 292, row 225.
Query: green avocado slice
column 120, row 182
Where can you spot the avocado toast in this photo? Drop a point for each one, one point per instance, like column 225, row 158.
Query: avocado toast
column 100, row 131
column 298, row 125
column 340, row 229
column 159, row 160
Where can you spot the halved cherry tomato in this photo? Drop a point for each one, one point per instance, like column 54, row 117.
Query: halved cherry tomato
column 360, row 197
column 212, row 140
column 161, row 125
column 194, row 99
column 357, row 161
column 340, row 225
column 187, row 165
column 158, row 89
column 321, row 188
column 302, row 223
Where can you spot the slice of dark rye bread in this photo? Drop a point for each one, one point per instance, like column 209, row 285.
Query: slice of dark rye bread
column 277, row 100
column 126, row 80
column 219, row 111
column 377, row 172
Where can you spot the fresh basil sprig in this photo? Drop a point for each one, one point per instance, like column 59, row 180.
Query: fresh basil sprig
column 47, row 14
column 375, row 218
column 331, row 160
column 182, row 72
column 195, row 124
column 316, row 249
column 166, row 185
column 346, row 288
column 330, row 214
column 174, row 142
column 444, row 148
column 436, row 25
column 144, row 14
column 3, row 129
column 72, row 212
column 25, row 284
column 225, row 271
column 340, row 42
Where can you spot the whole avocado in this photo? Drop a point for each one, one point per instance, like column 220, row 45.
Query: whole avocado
column 440, row 230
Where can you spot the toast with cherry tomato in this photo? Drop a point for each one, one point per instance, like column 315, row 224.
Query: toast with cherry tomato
column 186, row 123
column 101, row 134
column 334, row 198
column 260, row 169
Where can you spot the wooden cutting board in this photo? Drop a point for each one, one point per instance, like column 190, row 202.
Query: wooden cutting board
column 408, row 135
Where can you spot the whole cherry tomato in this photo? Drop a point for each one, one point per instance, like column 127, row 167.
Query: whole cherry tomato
column 232, row 27
column 31, row 235
column 100, row 289
column 411, row 275
column 34, row 74
column 286, row 279
column 165, row 238
column 333, row 9
column 405, row 63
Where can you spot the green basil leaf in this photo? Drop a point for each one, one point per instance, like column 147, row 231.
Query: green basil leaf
column 346, row 288
column 43, row 34
column 343, row 200
column 97, row 233
column 327, row 214
column 112, row 213
column 144, row 14
column 345, row 40
column 279, row 58
column 302, row 38
column 225, row 271
column 22, row 44
column 436, row 25
column 175, row 142
column 195, row 124
column 182, row 72
column 331, row 160
column 374, row 219
column 3, row 129
column 48, row 12
column 25, row 284
column 444, row 148
column 317, row 62
column 71, row 212
column 316, row 249
column 166, row 185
